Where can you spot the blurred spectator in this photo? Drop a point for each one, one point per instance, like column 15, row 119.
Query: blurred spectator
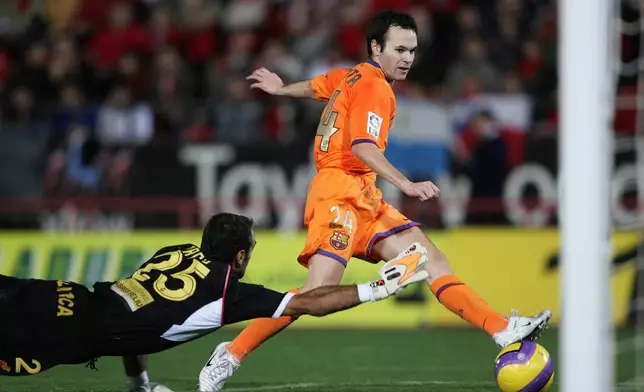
column 314, row 29
column 23, row 136
column 17, row 16
column 508, row 19
column 504, row 42
column 275, row 57
column 469, row 21
column 216, row 80
column 431, row 57
column 199, row 38
column 5, row 67
column 241, row 51
column 350, row 35
column 483, row 153
column 198, row 130
column 328, row 60
column 83, row 170
column 93, row 16
column 22, row 115
column 61, row 13
column 473, row 63
column 121, row 35
column 129, row 71
column 244, row 14
column 279, row 122
column 162, row 29
column 237, row 117
column 73, row 111
column 170, row 87
column 531, row 60
column 124, row 122
column 198, row 29
column 511, row 83
column 67, row 65
column 32, row 72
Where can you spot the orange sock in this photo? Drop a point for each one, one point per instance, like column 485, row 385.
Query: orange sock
column 257, row 332
column 464, row 302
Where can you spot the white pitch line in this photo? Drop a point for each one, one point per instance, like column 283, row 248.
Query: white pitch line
column 277, row 387
column 280, row 387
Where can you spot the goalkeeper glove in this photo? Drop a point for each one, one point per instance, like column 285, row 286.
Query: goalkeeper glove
column 407, row 268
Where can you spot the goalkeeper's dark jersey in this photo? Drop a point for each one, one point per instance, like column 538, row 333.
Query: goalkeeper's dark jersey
column 176, row 296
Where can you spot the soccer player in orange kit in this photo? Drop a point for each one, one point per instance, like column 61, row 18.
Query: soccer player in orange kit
column 345, row 214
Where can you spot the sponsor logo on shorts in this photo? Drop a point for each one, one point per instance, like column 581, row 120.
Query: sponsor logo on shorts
column 339, row 241
column 5, row 366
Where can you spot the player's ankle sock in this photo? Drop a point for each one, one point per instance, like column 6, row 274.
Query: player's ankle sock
column 140, row 380
column 257, row 332
column 464, row 302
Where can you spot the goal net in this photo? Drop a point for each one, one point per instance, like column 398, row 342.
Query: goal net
column 629, row 28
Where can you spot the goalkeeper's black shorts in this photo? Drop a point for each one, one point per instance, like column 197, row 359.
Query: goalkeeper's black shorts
column 44, row 323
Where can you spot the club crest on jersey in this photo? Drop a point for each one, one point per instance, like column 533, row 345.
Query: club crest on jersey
column 339, row 241
column 374, row 122
column 5, row 366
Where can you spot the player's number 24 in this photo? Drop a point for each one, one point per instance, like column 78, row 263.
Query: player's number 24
column 347, row 224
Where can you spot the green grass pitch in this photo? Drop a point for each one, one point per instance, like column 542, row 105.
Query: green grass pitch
column 319, row 361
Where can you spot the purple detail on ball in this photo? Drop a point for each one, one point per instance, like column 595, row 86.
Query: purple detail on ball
column 521, row 356
column 541, row 380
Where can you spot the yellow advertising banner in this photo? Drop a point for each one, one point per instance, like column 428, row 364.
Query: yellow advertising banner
column 509, row 268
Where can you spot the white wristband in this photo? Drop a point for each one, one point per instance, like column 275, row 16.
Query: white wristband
column 372, row 291
column 365, row 293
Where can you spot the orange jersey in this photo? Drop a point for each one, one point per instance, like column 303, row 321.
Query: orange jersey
column 361, row 109
column 345, row 214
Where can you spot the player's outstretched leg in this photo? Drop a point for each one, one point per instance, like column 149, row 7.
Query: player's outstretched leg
column 460, row 299
column 259, row 331
column 227, row 357
column 136, row 371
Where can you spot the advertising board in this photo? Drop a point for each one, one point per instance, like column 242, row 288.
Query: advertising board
column 509, row 268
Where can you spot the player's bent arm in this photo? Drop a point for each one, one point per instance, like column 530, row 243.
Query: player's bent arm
column 370, row 155
column 330, row 299
column 301, row 89
column 320, row 87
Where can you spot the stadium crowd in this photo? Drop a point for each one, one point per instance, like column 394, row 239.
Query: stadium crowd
column 84, row 84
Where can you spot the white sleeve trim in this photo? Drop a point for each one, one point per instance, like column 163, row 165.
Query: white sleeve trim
column 280, row 309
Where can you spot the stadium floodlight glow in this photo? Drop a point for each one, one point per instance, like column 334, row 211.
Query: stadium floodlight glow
column 585, row 156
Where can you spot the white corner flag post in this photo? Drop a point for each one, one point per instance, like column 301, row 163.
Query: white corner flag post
column 585, row 156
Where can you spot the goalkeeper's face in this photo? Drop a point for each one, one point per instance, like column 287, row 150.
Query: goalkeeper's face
column 243, row 257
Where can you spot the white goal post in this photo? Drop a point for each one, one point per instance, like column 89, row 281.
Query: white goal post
column 585, row 156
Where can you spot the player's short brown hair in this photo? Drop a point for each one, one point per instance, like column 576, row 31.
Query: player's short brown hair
column 225, row 235
column 380, row 24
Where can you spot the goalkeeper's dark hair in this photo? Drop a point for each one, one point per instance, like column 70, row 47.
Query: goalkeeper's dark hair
column 225, row 235
column 380, row 24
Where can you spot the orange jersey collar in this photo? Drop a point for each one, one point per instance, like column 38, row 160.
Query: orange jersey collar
column 378, row 70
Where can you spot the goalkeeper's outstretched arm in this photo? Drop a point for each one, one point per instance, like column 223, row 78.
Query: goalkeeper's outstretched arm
column 325, row 300
column 395, row 275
